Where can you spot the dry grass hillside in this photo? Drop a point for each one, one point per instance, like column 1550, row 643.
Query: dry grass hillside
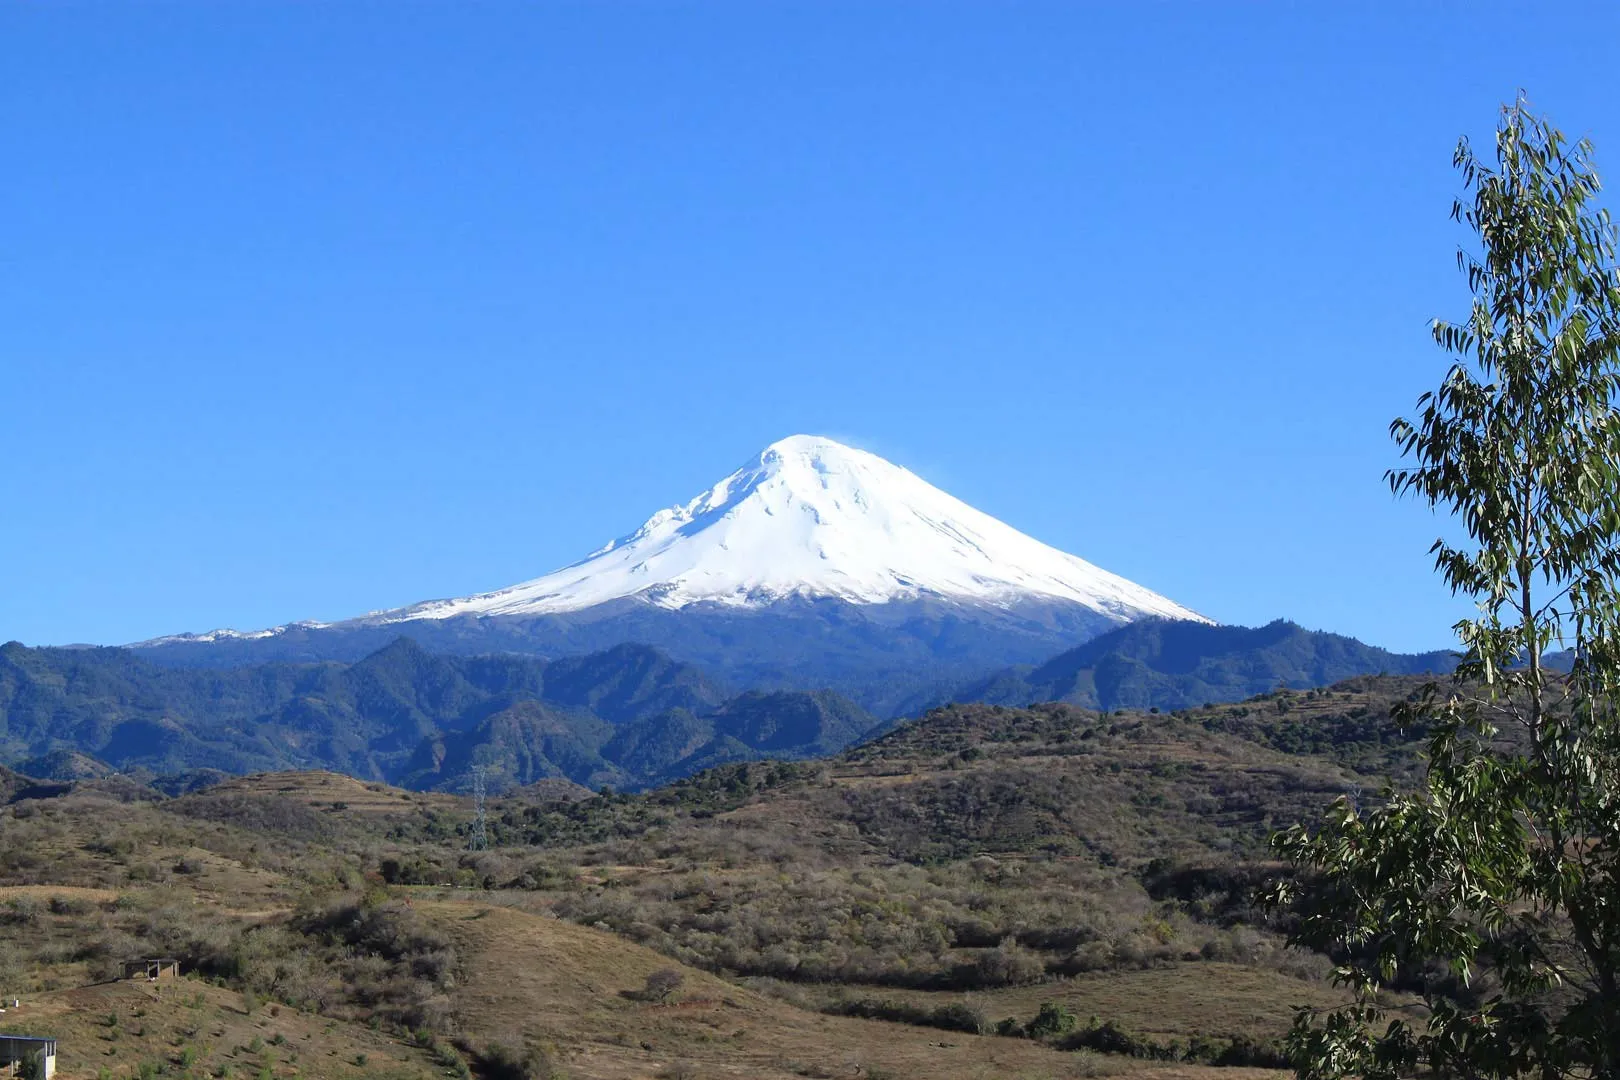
column 177, row 1027
column 579, row 993
column 987, row 892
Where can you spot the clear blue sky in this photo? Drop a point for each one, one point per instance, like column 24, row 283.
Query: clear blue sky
column 311, row 309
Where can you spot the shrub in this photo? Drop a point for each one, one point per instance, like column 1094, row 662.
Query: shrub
column 24, row 910
column 1051, row 1021
column 68, row 905
column 959, row 1017
column 1092, row 956
column 1008, row 964
column 662, row 984
column 955, row 1017
column 449, row 1059
column 1109, row 1038
column 1245, row 1051
column 501, row 1062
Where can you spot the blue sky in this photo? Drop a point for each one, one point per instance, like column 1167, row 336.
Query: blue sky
column 313, row 309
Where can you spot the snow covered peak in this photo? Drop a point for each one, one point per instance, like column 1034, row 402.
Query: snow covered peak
column 806, row 444
column 811, row 517
column 816, row 451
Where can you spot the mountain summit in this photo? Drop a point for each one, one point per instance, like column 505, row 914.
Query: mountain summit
column 813, row 518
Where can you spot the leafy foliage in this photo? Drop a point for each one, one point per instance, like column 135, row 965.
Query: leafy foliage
column 1495, row 887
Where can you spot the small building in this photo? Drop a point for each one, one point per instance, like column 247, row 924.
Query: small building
column 151, row 970
column 17, row 1050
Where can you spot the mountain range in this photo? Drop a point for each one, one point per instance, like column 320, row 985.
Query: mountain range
column 630, row 716
column 816, row 595
column 1160, row 664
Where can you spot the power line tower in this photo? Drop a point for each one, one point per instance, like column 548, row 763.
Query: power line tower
column 478, row 838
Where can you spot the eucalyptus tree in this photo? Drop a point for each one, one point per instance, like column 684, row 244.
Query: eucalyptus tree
column 1492, row 892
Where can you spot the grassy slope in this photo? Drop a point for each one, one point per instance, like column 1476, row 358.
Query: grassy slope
column 96, row 868
column 1035, row 823
column 529, row 976
column 1175, row 1001
column 158, row 1023
column 522, row 978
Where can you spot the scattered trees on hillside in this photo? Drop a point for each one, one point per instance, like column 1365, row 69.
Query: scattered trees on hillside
column 1494, row 889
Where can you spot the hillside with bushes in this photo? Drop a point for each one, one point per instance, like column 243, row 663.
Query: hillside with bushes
column 1048, row 889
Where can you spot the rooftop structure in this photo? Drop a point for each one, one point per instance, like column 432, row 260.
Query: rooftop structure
column 151, row 970
column 17, row 1051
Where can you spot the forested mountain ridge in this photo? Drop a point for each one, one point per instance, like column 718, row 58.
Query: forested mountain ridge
column 888, row 658
column 1156, row 663
column 628, row 716
column 402, row 714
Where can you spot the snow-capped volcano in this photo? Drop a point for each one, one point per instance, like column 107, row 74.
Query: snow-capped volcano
column 810, row 517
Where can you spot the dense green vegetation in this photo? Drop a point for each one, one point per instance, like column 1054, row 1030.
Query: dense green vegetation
column 629, row 716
